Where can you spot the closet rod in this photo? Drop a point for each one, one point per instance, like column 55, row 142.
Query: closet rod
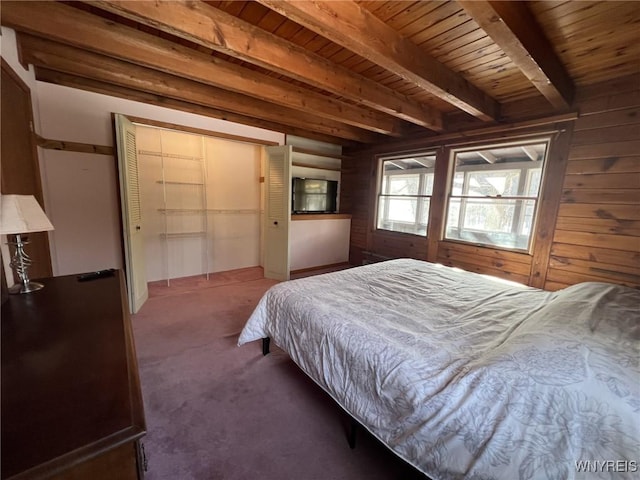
column 170, row 155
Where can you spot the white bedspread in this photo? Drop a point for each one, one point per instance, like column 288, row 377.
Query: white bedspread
column 465, row 376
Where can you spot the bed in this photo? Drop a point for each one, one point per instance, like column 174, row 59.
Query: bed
column 467, row 376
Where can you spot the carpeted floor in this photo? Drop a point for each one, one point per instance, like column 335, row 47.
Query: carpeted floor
column 218, row 411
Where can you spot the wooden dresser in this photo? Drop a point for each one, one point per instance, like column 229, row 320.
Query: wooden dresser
column 71, row 400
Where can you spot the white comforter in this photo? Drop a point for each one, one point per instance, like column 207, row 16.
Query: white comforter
column 465, row 376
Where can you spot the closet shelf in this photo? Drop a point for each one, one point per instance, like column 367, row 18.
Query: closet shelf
column 165, row 182
column 243, row 211
column 315, row 167
column 182, row 210
column 170, row 155
column 182, row 234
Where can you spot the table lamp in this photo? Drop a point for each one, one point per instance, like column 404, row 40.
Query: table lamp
column 20, row 214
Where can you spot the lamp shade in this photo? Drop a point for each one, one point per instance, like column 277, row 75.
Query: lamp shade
column 22, row 214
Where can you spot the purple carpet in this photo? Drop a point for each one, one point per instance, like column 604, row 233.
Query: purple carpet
column 218, row 411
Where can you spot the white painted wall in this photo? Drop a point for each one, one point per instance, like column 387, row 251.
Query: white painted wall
column 84, row 210
column 316, row 243
column 234, row 203
column 80, row 189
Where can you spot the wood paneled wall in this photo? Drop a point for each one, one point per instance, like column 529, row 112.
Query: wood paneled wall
column 356, row 178
column 597, row 234
column 500, row 263
column 589, row 222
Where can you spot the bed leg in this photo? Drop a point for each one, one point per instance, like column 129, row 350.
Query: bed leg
column 351, row 438
column 265, row 345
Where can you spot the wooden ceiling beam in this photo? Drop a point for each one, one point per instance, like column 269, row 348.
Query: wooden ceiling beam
column 81, row 83
column 512, row 26
column 355, row 28
column 208, row 26
column 80, row 63
column 72, row 26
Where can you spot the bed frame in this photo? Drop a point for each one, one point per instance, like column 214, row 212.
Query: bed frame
column 353, row 423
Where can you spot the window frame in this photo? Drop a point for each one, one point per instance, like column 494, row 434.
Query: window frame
column 422, row 184
column 524, row 180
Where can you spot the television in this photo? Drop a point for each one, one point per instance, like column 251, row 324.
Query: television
column 313, row 195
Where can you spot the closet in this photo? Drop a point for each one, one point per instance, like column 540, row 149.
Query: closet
column 201, row 202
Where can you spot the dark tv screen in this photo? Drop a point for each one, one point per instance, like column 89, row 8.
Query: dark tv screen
column 313, row 195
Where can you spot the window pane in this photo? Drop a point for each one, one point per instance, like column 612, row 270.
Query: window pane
column 401, row 214
column 533, row 182
column 490, row 221
column 402, row 209
column 500, row 182
column 481, row 206
column 403, row 185
column 406, row 184
column 527, row 217
column 453, row 217
column 427, row 179
column 489, row 215
column 458, row 180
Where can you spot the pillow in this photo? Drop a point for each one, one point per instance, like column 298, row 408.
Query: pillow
column 597, row 302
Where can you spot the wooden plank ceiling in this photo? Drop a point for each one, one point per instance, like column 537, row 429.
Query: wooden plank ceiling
column 339, row 71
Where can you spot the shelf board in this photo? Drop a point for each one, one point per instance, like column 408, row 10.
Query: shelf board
column 182, row 234
column 320, row 153
column 242, row 211
column 320, row 216
column 317, row 167
column 182, row 210
column 165, row 182
column 170, row 155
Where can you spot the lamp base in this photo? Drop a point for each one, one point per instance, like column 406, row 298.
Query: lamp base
column 20, row 263
column 25, row 288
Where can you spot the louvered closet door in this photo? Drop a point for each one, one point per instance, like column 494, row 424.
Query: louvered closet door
column 131, row 211
column 277, row 212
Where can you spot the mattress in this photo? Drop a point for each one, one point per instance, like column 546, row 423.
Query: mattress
column 468, row 376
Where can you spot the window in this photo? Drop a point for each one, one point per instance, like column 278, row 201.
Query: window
column 494, row 194
column 404, row 195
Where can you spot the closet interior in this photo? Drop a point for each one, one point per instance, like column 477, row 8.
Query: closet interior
column 201, row 203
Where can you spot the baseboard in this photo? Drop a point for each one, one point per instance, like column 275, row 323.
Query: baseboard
column 320, row 267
